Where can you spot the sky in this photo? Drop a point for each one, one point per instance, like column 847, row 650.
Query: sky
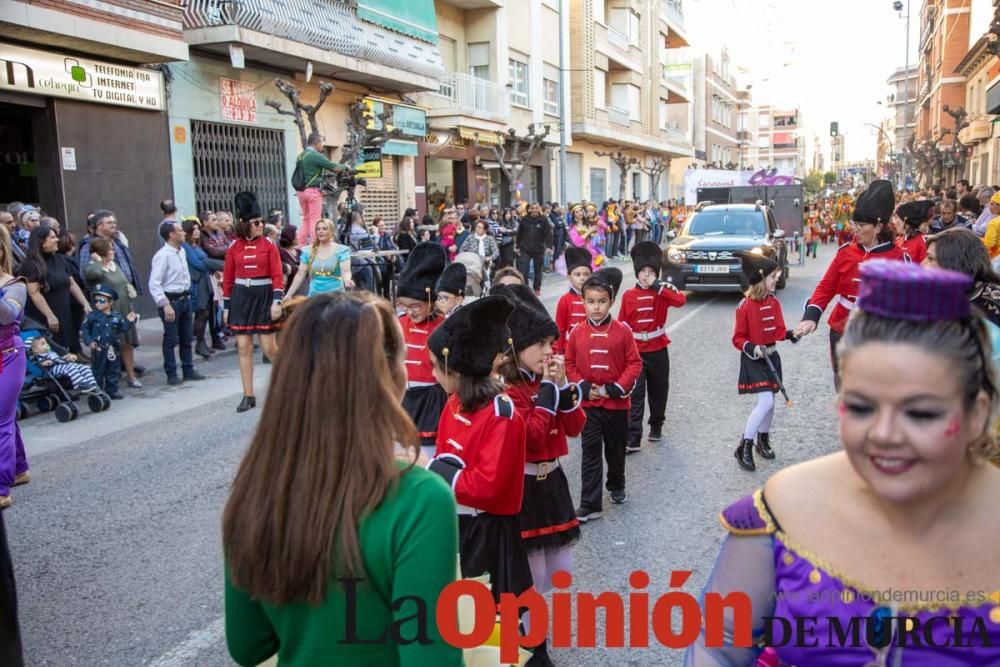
column 829, row 58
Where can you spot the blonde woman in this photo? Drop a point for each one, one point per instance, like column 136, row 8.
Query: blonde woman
column 326, row 262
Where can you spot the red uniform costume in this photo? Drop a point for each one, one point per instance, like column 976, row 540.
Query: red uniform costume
column 570, row 311
column 758, row 323
column 603, row 355
column 645, row 312
column 252, row 281
column 915, row 247
column 550, row 417
column 424, row 398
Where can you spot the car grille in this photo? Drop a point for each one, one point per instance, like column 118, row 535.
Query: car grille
column 709, row 255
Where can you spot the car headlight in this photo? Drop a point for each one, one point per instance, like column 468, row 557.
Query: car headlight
column 757, row 251
column 675, row 255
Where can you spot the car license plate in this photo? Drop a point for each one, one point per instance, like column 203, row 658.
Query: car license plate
column 711, row 268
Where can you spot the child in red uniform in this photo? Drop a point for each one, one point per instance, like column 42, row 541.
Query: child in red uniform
column 644, row 310
column 480, row 444
column 759, row 325
column 602, row 357
column 424, row 399
column 570, row 310
column 910, row 239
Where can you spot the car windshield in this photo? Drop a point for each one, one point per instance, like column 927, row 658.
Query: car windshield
column 726, row 222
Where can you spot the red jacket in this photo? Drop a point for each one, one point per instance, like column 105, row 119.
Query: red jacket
column 418, row 359
column 915, row 247
column 550, row 415
column 481, row 455
column 645, row 311
column 758, row 323
column 603, row 355
column 841, row 280
column 258, row 258
column 570, row 311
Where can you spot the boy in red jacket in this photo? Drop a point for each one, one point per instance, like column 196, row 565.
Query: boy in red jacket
column 601, row 356
column 644, row 310
column 570, row 310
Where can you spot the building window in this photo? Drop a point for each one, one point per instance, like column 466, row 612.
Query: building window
column 763, row 120
column 663, row 114
column 519, row 82
column 764, row 141
column 598, row 184
column 600, row 89
column 599, row 12
column 626, row 98
column 479, row 60
column 633, row 28
column 550, row 90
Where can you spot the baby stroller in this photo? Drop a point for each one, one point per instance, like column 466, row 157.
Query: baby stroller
column 477, row 271
column 48, row 392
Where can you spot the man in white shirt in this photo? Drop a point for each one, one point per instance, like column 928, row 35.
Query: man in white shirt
column 170, row 287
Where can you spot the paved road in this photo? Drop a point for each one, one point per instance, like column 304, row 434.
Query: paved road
column 116, row 541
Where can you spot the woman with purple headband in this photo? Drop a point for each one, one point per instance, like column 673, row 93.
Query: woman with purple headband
column 896, row 534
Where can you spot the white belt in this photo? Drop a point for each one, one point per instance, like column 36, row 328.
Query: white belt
column 465, row 510
column 414, row 384
column 845, row 302
column 649, row 335
column 252, row 282
column 541, row 470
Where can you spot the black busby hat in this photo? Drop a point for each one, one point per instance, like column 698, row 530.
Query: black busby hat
column 915, row 213
column 756, row 267
column 423, row 268
column 876, row 204
column 104, row 290
column 577, row 257
column 247, row 206
column 530, row 321
column 469, row 341
column 452, row 280
column 611, row 276
column 646, row 254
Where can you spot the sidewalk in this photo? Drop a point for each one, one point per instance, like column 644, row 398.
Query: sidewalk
column 149, row 354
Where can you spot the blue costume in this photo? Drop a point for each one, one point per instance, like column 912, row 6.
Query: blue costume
column 105, row 330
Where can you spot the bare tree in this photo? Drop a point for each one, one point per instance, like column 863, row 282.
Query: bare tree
column 298, row 108
column 624, row 162
column 654, row 169
column 519, row 158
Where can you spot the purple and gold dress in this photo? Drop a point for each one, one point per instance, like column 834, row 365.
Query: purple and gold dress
column 848, row 623
column 13, row 461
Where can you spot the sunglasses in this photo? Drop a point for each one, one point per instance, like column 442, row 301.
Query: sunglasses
column 101, row 299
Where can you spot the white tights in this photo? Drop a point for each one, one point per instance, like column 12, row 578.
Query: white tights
column 544, row 563
column 759, row 420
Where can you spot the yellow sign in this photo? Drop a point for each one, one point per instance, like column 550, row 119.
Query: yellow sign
column 371, row 163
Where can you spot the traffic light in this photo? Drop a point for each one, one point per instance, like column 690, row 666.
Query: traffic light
column 834, row 129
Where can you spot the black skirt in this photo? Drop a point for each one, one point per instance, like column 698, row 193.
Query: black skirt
column 548, row 520
column 490, row 543
column 425, row 405
column 755, row 376
column 250, row 310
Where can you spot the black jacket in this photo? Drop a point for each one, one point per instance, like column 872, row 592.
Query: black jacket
column 534, row 235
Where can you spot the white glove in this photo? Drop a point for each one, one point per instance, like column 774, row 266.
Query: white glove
column 759, row 351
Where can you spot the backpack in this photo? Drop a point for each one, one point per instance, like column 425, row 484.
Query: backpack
column 298, row 175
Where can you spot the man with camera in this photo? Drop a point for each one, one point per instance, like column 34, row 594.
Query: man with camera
column 312, row 164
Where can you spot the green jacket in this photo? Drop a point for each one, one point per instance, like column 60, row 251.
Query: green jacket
column 314, row 164
column 409, row 546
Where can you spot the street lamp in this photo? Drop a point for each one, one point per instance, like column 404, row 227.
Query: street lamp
column 897, row 7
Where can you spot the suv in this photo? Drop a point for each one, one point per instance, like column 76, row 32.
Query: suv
column 701, row 256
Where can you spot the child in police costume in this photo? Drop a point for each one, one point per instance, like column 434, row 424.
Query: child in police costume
column 552, row 410
column 602, row 357
column 480, row 444
column 570, row 310
column 415, row 295
column 759, row 326
column 644, row 310
column 101, row 331
column 451, row 288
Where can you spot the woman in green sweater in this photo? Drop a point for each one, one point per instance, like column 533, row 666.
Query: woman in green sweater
column 336, row 545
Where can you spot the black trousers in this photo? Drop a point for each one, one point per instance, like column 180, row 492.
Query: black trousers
column 525, row 260
column 834, row 339
column 605, row 430
column 200, row 322
column 655, row 377
column 10, row 632
column 106, row 371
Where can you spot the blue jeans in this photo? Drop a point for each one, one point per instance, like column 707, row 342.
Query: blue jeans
column 180, row 331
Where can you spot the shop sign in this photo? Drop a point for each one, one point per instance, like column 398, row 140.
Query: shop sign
column 83, row 79
column 410, row 121
column 238, row 100
column 370, row 164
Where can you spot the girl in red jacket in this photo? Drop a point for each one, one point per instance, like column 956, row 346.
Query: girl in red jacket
column 480, row 444
column 551, row 407
column 759, row 326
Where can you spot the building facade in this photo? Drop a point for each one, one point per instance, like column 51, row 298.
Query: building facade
column 721, row 113
column 981, row 70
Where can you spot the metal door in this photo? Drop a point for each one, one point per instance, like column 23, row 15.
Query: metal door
column 574, row 177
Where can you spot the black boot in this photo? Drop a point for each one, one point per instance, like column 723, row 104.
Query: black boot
column 247, row 403
column 203, row 350
column 763, row 446
column 744, row 455
column 540, row 657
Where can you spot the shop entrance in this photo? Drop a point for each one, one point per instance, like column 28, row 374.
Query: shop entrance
column 447, row 183
column 18, row 167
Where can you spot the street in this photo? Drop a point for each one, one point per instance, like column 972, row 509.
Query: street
column 116, row 539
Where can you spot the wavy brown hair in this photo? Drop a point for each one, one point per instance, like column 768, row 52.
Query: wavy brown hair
column 323, row 454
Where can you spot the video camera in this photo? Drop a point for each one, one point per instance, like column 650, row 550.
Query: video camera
column 348, row 178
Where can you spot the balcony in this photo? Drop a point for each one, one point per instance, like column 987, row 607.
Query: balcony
column 474, row 4
column 289, row 34
column 618, row 39
column 675, row 77
column 618, row 116
column 672, row 13
column 465, row 95
column 980, row 128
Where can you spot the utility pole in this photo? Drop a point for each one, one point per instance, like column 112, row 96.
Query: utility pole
column 563, row 30
column 906, row 96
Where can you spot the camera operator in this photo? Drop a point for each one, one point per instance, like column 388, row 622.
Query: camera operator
column 313, row 163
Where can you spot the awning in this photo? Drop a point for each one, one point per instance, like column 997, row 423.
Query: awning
column 410, row 17
column 486, row 138
column 399, row 147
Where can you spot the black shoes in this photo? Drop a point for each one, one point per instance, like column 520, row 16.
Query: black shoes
column 203, row 350
column 247, row 403
column 585, row 514
column 194, row 375
column 632, row 447
column 655, row 434
column 618, row 497
column 115, row 396
column 173, row 380
column 763, row 446
column 744, row 455
column 217, row 344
